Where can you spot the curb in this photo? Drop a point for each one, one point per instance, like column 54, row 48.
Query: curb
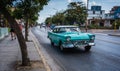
column 114, row 35
column 36, row 43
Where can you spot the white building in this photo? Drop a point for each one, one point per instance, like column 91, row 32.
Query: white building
column 107, row 21
column 96, row 15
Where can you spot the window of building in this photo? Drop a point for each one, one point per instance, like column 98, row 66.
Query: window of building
column 93, row 12
column 100, row 12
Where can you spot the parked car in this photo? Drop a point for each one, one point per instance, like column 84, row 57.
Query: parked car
column 70, row 37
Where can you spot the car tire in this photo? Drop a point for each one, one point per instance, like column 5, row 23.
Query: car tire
column 61, row 47
column 52, row 43
column 87, row 48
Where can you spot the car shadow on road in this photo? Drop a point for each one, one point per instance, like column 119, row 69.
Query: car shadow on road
column 68, row 51
column 71, row 50
column 75, row 51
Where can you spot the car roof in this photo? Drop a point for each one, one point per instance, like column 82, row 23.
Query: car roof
column 63, row 26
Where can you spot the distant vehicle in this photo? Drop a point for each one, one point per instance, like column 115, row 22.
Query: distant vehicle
column 70, row 37
column 52, row 26
column 43, row 25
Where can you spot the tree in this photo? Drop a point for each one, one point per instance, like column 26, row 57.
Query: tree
column 48, row 20
column 29, row 11
column 58, row 18
column 4, row 5
column 76, row 12
column 116, row 23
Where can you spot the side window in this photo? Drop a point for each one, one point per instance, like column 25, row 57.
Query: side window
column 62, row 30
column 55, row 30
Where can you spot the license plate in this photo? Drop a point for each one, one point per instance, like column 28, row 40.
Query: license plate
column 91, row 44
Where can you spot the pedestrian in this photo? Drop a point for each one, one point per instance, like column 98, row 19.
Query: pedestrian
column 20, row 25
column 12, row 32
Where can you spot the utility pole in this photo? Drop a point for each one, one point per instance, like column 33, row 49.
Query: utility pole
column 87, row 16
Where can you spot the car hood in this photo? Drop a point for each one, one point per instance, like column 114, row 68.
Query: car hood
column 77, row 35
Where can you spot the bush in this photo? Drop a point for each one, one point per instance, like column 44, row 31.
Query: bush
column 94, row 26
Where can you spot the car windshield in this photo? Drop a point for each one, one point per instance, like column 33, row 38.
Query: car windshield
column 69, row 29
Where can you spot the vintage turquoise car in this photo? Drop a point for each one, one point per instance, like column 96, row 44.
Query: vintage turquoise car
column 70, row 37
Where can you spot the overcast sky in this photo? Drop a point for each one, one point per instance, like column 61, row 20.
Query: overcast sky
column 60, row 5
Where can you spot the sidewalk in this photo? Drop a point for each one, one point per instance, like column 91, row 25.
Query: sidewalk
column 109, row 32
column 10, row 54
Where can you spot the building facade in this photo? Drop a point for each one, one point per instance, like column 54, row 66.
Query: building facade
column 115, row 12
column 96, row 15
column 112, row 16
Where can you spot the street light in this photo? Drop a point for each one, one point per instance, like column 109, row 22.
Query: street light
column 86, row 17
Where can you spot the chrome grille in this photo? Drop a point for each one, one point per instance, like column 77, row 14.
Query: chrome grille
column 80, row 42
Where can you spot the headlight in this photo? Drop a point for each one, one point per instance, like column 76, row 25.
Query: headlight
column 93, row 37
column 68, row 38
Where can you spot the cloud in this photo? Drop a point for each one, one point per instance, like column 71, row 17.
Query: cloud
column 69, row 1
column 93, row 3
column 84, row 1
column 41, row 19
column 51, row 3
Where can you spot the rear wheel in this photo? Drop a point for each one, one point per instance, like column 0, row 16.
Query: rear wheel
column 87, row 48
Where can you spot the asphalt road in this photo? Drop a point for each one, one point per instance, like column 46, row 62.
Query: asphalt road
column 104, row 56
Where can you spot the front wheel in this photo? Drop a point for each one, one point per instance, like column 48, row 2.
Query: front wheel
column 87, row 48
column 51, row 43
column 61, row 47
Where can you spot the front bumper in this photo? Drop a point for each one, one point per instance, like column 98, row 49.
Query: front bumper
column 73, row 45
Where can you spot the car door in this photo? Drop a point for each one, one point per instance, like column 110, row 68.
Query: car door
column 54, row 37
